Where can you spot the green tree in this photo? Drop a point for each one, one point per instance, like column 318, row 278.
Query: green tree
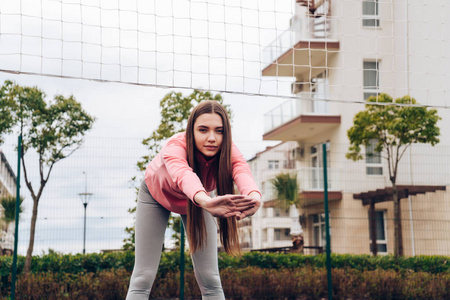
column 54, row 130
column 394, row 126
column 175, row 111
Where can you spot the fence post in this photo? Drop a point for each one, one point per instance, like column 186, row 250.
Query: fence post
column 16, row 219
column 327, row 221
column 181, row 261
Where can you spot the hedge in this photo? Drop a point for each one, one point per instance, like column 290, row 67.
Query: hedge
column 73, row 264
column 69, row 272
column 244, row 283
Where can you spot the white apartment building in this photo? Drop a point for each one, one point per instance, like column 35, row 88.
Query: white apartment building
column 270, row 226
column 7, row 188
column 339, row 50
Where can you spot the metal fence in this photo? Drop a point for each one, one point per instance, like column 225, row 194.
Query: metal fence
column 105, row 166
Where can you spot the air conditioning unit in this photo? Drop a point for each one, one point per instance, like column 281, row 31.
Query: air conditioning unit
column 298, row 153
column 296, row 87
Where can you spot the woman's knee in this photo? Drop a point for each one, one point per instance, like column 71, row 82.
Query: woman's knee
column 142, row 280
column 209, row 282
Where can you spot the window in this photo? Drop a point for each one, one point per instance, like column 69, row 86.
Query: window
column 282, row 234
column 319, row 230
column 264, row 235
column 371, row 78
column 373, row 159
column 370, row 13
column 380, row 227
column 316, row 170
column 274, row 164
column 319, row 90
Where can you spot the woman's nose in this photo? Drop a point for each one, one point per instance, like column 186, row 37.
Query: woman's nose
column 211, row 136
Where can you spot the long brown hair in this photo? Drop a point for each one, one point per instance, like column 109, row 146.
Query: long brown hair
column 224, row 182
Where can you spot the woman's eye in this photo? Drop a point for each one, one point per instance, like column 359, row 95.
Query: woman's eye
column 219, row 131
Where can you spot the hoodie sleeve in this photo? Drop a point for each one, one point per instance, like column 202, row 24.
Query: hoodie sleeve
column 174, row 157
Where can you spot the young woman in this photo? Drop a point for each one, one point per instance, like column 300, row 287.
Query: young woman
column 179, row 179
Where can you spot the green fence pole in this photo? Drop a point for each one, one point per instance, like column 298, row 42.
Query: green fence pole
column 16, row 232
column 182, row 261
column 327, row 221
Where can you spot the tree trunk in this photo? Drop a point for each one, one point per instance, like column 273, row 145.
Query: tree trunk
column 32, row 231
column 398, row 235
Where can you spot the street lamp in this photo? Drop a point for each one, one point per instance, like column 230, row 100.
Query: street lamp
column 85, row 200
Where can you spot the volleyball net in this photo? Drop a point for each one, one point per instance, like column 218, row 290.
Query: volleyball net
column 318, row 50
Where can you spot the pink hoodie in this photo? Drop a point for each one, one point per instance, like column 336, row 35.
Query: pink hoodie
column 171, row 181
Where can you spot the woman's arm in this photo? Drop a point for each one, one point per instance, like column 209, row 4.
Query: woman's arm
column 181, row 174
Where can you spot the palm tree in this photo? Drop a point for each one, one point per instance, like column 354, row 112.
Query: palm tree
column 286, row 188
column 287, row 191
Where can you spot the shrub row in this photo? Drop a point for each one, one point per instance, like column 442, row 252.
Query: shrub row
column 430, row 264
column 244, row 283
column 78, row 263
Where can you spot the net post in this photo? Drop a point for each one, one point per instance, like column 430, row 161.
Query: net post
column 327, row 222
column 16, row 232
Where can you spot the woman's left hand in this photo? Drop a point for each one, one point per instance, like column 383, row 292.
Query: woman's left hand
column 252, row 210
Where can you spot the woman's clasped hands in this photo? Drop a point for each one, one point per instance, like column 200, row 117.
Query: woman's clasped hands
column 226, row 206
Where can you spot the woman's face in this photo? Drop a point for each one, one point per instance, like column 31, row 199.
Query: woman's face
column 208, row 134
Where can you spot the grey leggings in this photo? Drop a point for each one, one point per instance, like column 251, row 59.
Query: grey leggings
column 151, row 223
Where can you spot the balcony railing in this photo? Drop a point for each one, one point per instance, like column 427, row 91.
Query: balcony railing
column 281, row 114
column 293, row 108
column 302, row 29
column 309, row 179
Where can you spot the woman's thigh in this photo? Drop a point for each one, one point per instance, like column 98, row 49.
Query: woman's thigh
column 151, row 223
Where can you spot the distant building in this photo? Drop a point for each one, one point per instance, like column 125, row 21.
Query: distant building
column 270, row 226
column 7, row 188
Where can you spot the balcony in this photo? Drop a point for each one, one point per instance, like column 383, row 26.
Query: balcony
column 311, row 186
column 308, row 43
column 296, row 119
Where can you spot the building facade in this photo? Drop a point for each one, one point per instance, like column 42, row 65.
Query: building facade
column 350, row 50
column 7, row 188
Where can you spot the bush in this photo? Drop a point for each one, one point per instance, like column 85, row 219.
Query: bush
column 106, row 284
column 94, row 262
column 357, row 276
column 244, row 283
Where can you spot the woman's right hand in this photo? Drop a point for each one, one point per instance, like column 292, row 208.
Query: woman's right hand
column 224, row 206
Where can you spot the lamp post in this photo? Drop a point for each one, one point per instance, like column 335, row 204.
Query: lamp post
column 85, row 200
